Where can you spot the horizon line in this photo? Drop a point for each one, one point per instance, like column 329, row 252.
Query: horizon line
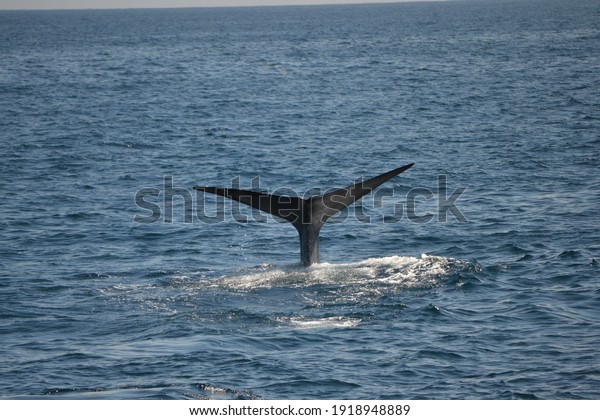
column 220, row 6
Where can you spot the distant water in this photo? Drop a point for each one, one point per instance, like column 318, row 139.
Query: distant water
column 501, row 98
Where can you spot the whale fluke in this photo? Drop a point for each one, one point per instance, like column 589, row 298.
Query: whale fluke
column 306, row 215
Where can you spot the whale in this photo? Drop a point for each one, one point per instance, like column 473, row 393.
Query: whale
column 307, row 215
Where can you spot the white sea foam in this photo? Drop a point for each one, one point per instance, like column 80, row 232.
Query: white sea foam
column 395, row 270
column 327, row 322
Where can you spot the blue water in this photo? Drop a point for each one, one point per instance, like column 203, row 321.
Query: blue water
column 500, row 98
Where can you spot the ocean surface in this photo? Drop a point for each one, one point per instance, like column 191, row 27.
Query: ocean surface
column 473, row 275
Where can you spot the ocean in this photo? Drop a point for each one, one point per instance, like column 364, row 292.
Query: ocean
column 473, row 275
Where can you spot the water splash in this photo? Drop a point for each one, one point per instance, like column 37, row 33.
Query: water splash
column 408, row 272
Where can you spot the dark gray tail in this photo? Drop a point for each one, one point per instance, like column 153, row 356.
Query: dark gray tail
column 307, row 215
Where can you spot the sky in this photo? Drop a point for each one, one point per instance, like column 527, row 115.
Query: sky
column 117, row 4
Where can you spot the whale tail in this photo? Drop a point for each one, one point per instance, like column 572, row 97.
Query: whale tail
column 306, row 215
